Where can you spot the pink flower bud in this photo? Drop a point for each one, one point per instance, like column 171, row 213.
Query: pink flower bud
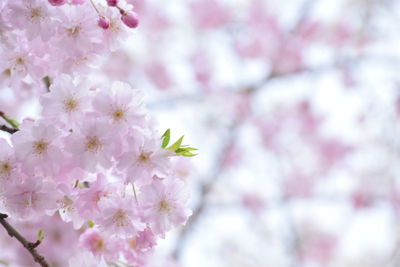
column 130, row 19
column 112, row 2
column 57, row 2
column 103, row 23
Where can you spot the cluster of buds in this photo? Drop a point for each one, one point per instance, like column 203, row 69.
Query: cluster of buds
column 129, row 18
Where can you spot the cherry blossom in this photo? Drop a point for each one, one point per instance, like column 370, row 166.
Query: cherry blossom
column 162, row 204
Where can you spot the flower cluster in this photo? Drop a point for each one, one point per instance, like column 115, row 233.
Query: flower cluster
column 41, row 40
column 94, row 158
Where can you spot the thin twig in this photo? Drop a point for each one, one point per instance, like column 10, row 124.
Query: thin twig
column 31, row 247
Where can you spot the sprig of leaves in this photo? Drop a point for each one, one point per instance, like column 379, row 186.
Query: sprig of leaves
column 177, row 147
column 40, row 235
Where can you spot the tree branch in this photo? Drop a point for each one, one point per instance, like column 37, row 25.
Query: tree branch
column 7, row 129
column 31, row 247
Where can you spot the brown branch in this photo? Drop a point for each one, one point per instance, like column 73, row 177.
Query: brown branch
column 31, row 247
column 7, row 129
column 206, row 187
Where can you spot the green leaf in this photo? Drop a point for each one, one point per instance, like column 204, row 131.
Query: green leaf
column 167, row 137
column 186, row 154
column 11, row 121
column 40, row 235
column 185, row 151
column 182, row 148
column 90, row 224
column 176, row 145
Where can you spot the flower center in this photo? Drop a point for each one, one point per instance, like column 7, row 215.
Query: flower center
column 93, row 144
column 99, row 244
column 35, row 15
column 35, row 12
column 80, row 61
column 5, row 168
column 74, row 31
column 114, row 26
column 7, row 72
column 66, row 204
column 118, row 114
column 165, row 206
column 144, row 157
column 132, row 243
column 120, row 218
column 20, row 61
column 40, row 147
column 70, row 105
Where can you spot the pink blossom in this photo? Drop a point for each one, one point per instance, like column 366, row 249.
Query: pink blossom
column 115, row 33
column 163, row 203
column 121, row 105
column 94, row 241
column 144, row 158
column 79, row 25
column 89, row 197
column 136, row 249
column 145, row 240
column 119, row 217
column 67, row 206
column 32, row 16
column 31, row 197
column 37, row 146
column 100, row 244
column 66, row 100
column 17, row 63
column 91, row 144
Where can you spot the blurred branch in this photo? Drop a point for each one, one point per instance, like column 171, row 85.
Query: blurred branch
column 293, row 244
column 172, row 101
column 31, row 247
column 305, row 10
column 206, row 188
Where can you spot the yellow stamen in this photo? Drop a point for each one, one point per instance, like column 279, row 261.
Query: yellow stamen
column 93, row 144
column 40, row 147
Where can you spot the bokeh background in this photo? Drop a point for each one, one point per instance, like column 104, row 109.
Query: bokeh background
column 295, row 108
